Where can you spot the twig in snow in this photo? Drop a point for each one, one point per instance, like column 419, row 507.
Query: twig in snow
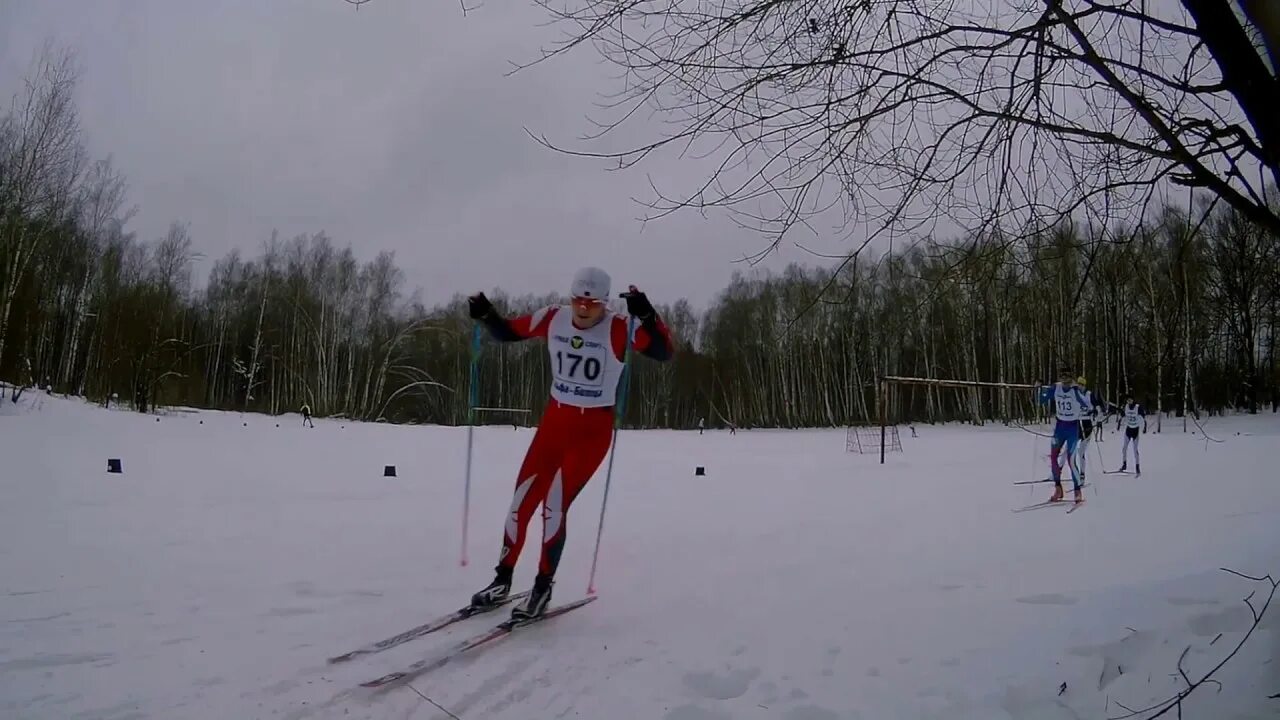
column 440, row 707
column 1195, row 420
column 1182, row 672
column 1175, row 702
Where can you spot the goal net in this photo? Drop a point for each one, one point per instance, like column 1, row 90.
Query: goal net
column 868, row 439
column 902, row 400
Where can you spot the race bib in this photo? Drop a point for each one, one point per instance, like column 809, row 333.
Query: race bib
column 584, row 368
column 1065, row 400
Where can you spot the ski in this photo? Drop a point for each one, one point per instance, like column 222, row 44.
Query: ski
column 1056, row 503
column 1074, row 507
column 500, row 630
column 1049, row 480
column 1051, row 503
column 423, row 629
column 1045, row 504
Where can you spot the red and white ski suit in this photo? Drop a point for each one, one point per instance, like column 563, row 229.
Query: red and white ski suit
column 575, row 430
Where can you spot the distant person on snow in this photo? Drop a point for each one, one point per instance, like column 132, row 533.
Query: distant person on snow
column 306, row 415
column 587, row 344
column 1070, row 406
column 702, row 425
column 1134, row 415
column 1088, row 421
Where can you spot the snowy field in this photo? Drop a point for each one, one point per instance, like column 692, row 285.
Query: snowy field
column 794, row 581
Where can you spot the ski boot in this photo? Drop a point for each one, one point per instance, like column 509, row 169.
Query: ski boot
column 497, row 591
column 1124, row 466
column 1137, row 471
column 1057, row 492
column 1079, row 496
column 537, row 602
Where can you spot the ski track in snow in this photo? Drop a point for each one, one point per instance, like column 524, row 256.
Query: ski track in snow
column 213, row 577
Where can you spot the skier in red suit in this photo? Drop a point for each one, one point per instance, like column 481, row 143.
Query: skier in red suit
column 587, row 345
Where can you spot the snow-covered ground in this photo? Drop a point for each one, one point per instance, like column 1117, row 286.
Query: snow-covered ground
column 213, row 577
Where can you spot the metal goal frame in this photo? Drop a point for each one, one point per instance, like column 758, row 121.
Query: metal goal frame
column 887, row 382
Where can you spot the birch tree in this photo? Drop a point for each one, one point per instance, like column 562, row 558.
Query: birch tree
column 40, row 160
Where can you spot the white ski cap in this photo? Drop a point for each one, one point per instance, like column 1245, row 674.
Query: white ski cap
column 591, row 282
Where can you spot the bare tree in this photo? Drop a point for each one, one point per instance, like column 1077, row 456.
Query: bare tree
column 904, row 114
column 101, row 210
column 40, row 161
column 251, row 371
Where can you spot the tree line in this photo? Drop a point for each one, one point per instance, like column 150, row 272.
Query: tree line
column 1181, row 309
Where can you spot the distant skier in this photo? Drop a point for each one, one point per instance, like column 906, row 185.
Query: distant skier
column 1088, row 421
column 1132, row 416
column 587, row 344
column 1103, row 410
column 306, row 415
column 702, row 425
column 1070, row 405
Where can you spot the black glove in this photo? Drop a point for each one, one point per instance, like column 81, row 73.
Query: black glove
column 638, row 304
column 479, row 306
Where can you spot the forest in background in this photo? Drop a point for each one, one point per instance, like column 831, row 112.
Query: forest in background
column 1181, row 309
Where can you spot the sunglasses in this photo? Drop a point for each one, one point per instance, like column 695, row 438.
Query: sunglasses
column 587, row 302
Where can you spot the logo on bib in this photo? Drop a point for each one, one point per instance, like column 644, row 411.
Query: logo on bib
column 576, row 342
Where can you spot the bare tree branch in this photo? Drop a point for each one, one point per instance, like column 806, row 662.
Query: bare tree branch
column 1175, row 703
column 925, row 116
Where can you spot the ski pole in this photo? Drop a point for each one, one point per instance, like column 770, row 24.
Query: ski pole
column 613, row 451
column 1102, row 468
column 472, row 400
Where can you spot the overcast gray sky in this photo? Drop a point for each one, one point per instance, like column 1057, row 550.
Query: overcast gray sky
column 391, row 128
